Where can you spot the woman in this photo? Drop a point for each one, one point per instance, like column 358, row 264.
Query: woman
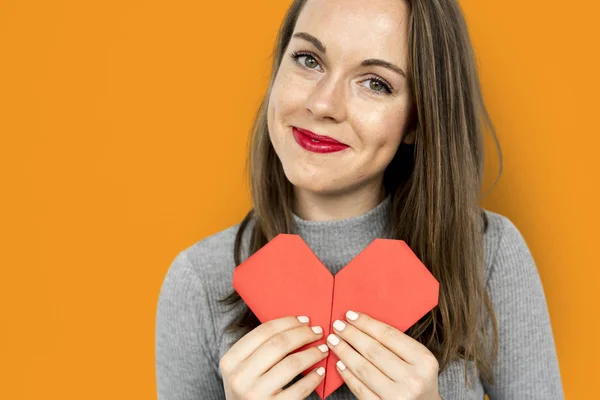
column 371, row 127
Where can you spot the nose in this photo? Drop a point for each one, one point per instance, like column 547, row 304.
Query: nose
column 327, row 99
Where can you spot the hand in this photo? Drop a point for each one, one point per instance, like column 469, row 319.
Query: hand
column 258, row 365
column 387, row 364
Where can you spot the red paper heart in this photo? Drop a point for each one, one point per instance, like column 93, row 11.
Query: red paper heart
column 386, row 281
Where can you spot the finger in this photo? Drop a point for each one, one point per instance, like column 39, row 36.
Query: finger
column 356, row 386
column 276, row 348
column 246, row 345
column 380, row 356
column 360, row 367
column 304, row 387
column 398, row 342
column 287, row 369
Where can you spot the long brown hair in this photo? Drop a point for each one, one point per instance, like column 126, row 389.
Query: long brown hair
column 434, row 184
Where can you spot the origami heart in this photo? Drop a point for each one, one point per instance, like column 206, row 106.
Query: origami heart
column 386, row 281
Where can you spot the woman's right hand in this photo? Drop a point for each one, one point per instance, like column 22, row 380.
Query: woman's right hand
column 259, row 365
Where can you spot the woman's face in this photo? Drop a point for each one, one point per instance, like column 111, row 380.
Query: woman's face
column 327, row 91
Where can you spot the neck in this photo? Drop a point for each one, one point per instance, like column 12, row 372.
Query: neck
column 336, row 242
column 311, row 206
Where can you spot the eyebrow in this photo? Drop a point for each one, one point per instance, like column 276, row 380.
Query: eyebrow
column 366, row 63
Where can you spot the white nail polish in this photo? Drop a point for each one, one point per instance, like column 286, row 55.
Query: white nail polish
column 323, row 348
column 340, row 365
column 334, row 340
column 321, row 371
column 303, row 319
column 351, row 315
column 317, row 329
column 339, row 325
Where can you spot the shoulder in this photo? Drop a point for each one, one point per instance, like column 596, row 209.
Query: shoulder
column 210, row 260
column 202, row 271
column 507, row 252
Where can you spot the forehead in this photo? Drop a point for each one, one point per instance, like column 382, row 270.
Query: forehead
column 370, row 28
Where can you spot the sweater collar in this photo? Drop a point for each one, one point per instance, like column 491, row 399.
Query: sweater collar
column 337, row 242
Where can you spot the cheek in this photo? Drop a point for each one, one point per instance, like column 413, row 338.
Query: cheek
column 278, row 102
column 289, row 92
column 282, row 105
column 382, row 129
column 271, row 115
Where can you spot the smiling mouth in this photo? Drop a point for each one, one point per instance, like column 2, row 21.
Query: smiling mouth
column 317, row 145
column 318, row 138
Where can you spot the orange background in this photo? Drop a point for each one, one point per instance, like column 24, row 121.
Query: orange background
column 111, row 115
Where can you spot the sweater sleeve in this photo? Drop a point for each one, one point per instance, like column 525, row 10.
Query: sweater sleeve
column 527, row 364
column 186, row 368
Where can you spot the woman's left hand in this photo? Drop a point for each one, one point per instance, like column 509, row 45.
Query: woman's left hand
column 387, row 364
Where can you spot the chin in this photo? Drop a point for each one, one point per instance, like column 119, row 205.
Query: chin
column 314, row 183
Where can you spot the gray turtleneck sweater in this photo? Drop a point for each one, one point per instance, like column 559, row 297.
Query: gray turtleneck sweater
column 190, row 322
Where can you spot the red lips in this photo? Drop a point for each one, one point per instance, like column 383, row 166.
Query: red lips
column 317, row 143
column 320, row 138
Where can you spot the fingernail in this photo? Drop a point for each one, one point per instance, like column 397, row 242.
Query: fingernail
column 334, row 340
column 303, row 319
column 351, row 315
column 339, row 325
column 323, row 348
column 321, row 371
column 340, row 365
column 317, row 329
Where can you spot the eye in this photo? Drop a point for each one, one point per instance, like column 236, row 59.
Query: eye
column 379, row 86
column 309, row 58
